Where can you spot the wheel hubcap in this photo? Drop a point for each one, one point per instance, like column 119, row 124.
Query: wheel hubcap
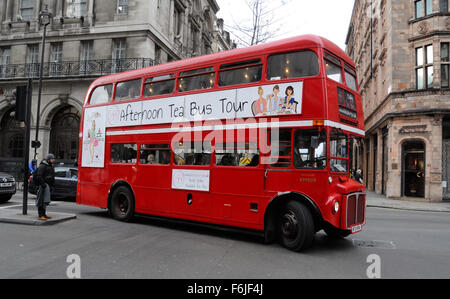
column 289, row 225
column 122, row 204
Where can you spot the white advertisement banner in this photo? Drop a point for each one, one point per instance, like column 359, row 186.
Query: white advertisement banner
column 94, row 132
column 268, row 100
column 194, row 180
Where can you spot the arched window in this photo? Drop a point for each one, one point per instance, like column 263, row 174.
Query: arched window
column 64, row 133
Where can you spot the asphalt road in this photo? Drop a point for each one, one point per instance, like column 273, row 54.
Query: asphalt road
column 393, row 244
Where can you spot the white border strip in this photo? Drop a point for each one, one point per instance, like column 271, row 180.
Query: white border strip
column 262, row 125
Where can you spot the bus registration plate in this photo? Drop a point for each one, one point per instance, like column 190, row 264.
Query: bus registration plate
column 356, row 228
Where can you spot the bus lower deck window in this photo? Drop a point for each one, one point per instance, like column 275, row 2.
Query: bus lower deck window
column 192, row 153
column 237, row 154
column 310, row 149
column 155, row 154
column 123, row 153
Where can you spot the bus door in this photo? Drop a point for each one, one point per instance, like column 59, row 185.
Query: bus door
column 191, row 178
column 238, row 182
column 278, row 170
column 153, row 183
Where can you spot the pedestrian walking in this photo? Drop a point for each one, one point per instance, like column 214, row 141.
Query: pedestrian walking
column 45, row 180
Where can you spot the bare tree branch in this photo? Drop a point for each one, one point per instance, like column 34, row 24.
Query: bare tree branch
column 262, row 26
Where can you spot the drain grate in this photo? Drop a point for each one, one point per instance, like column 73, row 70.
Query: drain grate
column 374, row 244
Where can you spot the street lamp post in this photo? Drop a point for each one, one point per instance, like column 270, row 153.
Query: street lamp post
column 44, row 20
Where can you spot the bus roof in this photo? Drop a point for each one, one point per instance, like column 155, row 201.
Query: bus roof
column 303, row 41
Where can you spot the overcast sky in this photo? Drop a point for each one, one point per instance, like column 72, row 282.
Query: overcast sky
column 327, row 18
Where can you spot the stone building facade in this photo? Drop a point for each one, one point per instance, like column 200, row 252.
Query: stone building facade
column 87, row 39
column 401, row 49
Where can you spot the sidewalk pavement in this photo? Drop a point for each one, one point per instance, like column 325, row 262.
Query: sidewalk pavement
column 15, row 216
column 11, row 212
column 380, row 201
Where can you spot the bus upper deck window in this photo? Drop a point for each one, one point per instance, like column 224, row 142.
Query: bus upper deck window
column 333, row 68
column 196, row 79
column 129, row 90
column 292, row 65
column 101, row 95
column 159, row 85
column 350, row 78
column 240, row 72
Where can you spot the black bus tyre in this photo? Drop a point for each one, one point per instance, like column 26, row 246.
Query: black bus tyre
column 122, row 204
column 296, row 226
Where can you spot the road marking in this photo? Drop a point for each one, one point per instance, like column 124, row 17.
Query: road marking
column 14, row 206
column 374, row 244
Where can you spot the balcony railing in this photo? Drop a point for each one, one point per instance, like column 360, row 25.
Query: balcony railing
column 73, row 69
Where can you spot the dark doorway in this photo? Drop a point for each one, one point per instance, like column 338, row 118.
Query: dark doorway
column 64, row 133
column 413, row 174
column 12, row 145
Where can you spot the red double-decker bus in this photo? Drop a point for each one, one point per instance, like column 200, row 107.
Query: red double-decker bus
column 260, row 138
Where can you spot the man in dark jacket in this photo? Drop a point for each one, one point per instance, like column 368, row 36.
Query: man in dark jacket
column 44, row 178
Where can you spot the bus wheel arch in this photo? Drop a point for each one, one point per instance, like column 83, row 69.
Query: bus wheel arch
column 121, row 201
column 274, row 210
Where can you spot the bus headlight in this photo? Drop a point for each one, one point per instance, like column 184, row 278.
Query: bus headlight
column 330, row 180
column 336, row 207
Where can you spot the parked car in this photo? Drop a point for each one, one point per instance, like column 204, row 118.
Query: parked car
column 7, row 187
column 66, row 179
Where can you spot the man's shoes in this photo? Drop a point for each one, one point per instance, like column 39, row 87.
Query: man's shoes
column 48, row 217
column 42, row 218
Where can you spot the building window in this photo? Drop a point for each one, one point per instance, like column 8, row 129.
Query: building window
column 122, row 7
column 85, row 56
column 56, row 58
column 428, row 7
column 27, row 9
column 177, row 21
column 443, row 5
column 119, row 54
column 32, row 66
column 76, row 8
column 423, row 8
column 419, row 8
column 424, row 67
column 445, row 65
column 5, row 58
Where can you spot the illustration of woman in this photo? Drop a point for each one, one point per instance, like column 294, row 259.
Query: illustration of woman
column 289, row 100
column 261, row 102
column 274, row 99
column 93, row 141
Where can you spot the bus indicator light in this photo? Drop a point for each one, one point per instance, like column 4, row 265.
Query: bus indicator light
column 318, row 123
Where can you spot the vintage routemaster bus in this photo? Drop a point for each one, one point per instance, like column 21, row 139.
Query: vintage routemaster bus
column 259, row 138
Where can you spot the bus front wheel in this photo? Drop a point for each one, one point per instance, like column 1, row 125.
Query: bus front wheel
column 122, row 204
column 296, row 226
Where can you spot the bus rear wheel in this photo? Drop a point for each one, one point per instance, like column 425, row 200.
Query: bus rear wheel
column 122, row 204
column 296, row 226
